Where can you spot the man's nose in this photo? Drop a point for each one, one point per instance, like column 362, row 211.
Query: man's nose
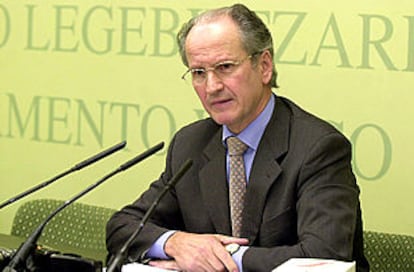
column 213, row 82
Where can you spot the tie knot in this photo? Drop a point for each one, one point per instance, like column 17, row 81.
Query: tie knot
column 235, row 146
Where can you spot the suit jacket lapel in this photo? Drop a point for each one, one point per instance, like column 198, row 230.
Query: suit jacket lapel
column 213, row 185
column 266, row 168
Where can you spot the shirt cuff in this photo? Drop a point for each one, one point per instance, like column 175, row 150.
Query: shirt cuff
column 156, row 251
column 238, row 257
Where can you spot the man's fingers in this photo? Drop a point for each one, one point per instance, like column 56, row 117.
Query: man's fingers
column 200, row 252
column 226, row 259
column 225, row 240
column 165, row 264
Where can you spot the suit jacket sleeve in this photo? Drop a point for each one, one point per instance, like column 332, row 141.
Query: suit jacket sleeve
column 167, row 216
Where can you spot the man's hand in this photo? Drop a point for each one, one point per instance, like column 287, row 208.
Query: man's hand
column 199, row 252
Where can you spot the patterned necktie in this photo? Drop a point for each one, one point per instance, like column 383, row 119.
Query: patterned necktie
column 236, row 149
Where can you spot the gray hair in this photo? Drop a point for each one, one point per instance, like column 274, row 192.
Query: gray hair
column 255, row 36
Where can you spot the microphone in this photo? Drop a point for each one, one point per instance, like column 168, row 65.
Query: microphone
column 18, row 260
column 115, row 262
column 77, row 167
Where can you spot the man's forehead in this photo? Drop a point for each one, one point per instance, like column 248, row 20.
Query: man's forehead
column 220, row 33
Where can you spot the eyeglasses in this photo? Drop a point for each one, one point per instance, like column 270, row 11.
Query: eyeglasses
column 222, row 70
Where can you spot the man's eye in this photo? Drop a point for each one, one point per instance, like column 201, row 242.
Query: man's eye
column 225, row 67
column 198, row 72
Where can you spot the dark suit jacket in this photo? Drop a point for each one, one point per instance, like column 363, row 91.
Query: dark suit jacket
column 302, row 198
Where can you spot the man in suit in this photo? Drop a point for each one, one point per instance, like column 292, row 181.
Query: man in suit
column 301, row 197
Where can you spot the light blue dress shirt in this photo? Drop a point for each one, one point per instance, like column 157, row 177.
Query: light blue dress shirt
column 251, row 136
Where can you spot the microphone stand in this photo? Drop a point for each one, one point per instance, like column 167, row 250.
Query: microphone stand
column 77, row 167
column 18, row 261
column 115, row 262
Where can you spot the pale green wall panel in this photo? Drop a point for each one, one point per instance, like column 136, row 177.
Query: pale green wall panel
column 79, row 76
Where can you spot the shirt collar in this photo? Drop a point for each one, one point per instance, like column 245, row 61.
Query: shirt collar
column 252, row 134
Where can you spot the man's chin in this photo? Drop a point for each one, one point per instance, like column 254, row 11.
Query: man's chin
column 223, row 120
column 220, row 119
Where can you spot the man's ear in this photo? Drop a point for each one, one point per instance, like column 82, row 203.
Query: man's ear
column 266, row 66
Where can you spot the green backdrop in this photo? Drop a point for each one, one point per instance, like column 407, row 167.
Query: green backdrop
column 79, row 76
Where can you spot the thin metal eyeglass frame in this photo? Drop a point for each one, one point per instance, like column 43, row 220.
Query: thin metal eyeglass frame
column 214, row 67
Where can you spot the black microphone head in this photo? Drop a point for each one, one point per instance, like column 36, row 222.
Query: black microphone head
column 183, row 169
column 77, row 167
column 141, row 156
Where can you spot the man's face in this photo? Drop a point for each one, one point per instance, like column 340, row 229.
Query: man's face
column 235, row 99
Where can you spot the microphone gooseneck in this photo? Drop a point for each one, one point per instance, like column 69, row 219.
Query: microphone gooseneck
column 18, row 261
column 116, row 260
column 77, row 167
